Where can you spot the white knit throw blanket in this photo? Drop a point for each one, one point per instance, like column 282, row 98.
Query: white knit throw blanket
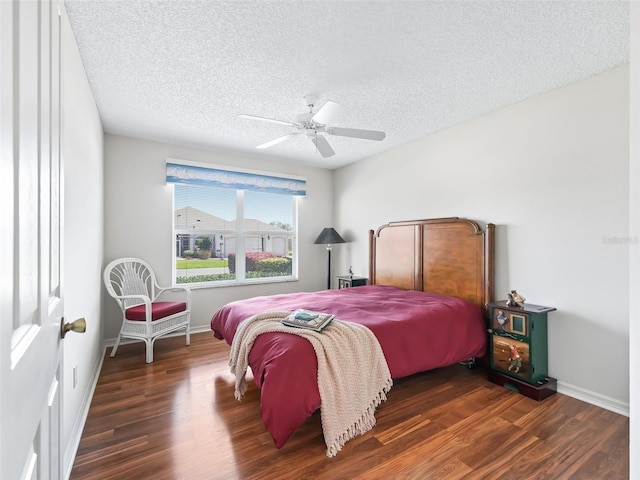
column 353, row 376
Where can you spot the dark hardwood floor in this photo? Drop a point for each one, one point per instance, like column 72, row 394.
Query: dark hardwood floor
column 177, row 419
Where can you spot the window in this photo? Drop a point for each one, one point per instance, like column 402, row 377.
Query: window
column 239, row 230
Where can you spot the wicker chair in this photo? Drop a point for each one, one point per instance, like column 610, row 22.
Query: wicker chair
column 133, row 284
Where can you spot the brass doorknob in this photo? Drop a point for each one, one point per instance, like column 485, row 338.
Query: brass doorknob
column 79, row 326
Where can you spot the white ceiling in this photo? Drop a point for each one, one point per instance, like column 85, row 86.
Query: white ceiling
column 181, row 71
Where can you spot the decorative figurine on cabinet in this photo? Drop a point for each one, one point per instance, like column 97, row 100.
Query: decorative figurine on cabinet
column 515, row 299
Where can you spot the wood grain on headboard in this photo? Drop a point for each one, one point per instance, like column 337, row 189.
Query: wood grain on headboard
column 450, row 256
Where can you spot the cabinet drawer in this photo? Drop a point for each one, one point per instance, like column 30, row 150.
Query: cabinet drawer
column 511, row 322
column 512, row 356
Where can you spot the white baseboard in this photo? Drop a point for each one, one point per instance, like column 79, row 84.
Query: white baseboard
column 594, row 398
column 81, row 419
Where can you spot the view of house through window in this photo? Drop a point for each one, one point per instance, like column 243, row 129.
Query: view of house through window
column 233, row 235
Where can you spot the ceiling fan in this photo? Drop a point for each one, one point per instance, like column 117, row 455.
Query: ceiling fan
column 312, row 124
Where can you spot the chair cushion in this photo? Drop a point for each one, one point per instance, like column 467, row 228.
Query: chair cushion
column 158, row 310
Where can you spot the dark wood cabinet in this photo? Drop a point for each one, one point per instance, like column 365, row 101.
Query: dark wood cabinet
column 518, row 349
column 349, row 281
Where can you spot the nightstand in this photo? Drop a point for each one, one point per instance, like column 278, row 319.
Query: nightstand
column 518, row 349
column 349, row 281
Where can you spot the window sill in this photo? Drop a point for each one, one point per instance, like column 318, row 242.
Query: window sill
column 252, row 282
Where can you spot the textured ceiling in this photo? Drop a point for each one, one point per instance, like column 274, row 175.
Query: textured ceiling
column 181, row 71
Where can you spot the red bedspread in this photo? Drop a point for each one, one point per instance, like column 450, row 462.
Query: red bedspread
column 417, row 332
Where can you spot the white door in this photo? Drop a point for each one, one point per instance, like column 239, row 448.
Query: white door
column 30, row 264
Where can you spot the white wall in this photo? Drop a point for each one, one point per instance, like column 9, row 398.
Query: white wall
column 634, row 231
column 552, row 173
column 82, row 155
column 139, row 216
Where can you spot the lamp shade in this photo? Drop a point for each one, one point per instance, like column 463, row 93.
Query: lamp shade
column 329, row 236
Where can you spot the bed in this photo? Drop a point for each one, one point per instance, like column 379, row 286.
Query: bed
column 429, row 285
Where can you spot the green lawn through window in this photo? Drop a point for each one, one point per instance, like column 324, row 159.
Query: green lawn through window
column 197, row 263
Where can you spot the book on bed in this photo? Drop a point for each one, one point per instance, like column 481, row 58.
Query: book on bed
column 301, row 318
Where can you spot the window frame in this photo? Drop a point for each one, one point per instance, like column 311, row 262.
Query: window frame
column 240, row 246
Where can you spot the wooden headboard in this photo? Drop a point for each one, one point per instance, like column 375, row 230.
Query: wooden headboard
column 450, row 256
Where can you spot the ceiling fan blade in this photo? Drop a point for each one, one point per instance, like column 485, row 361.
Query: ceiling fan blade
column 265, row 119
column 323, row 146
column 275, row 141
column 327, row 112
column 356, row 133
